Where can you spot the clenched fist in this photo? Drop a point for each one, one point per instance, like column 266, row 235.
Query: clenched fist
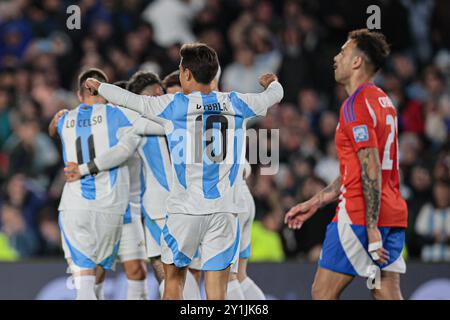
column 92, row 85
column 267, row 79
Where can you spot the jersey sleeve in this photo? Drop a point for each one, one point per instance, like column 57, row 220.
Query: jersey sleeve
column 115, row 156
column 359, row 123
column 132, row 116
column 256, row 104
column 149, row 107
column 146, row 127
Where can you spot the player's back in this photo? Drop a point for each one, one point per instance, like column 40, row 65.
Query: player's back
column 369, row 119
column 85, row 132
column 212, row 130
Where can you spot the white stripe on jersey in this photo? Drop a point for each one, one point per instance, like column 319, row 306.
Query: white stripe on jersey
column 157, row 175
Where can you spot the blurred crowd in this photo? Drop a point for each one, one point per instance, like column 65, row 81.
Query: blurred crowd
column 40, row 59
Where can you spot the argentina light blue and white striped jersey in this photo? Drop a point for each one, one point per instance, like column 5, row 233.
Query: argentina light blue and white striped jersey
column 205, row 134
column 86, row 132
column 156, row 176
column 144, row 150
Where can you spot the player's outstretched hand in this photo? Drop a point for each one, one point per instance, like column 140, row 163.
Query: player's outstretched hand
column 267, row 79
column 72, row 172
column 92, row 85
column 376, row 250
column 298, row 214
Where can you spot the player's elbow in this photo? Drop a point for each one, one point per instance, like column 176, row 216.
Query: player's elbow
column 280, row 93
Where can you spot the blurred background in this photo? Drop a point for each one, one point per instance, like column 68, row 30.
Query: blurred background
column 297, row 39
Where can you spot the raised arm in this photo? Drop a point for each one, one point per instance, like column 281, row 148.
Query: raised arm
column 149, row 107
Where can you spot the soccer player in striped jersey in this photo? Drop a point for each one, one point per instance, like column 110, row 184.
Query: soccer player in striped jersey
column 92, row 209
column 132, row 250
column 240, row 285
column 205, row 132
column 368, row 231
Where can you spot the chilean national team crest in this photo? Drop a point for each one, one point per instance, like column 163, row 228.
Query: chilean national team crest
column 361, row 133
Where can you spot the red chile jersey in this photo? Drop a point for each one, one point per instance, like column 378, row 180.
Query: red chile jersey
column 368, row 119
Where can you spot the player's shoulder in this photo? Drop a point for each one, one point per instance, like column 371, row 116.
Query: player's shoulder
column 370, row 90
column 375, row 97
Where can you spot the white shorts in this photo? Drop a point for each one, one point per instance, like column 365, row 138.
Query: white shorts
column 90, row 238
column 214, row 238
column 245, row 224
column 153, row 232
column 132, row 242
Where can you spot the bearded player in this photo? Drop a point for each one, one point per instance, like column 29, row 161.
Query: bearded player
column 368, row 231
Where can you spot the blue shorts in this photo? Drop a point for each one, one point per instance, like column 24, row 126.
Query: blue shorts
column 345, row 251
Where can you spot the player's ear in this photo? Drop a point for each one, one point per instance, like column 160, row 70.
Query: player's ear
column 357, row 61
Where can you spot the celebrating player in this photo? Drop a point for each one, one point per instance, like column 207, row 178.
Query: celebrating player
column 240, row 285
column 202, row 204
column 92, row 209
column 368, row 231
column 152, row 180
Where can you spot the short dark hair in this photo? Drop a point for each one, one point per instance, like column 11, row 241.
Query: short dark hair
column 142, row 79
column 171, row 80
column 373, row 44
column 201, row 60
column 91, row 73
column 121, row 83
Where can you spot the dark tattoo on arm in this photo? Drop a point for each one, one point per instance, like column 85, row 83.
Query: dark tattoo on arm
column 371, row 184
column 330, row 192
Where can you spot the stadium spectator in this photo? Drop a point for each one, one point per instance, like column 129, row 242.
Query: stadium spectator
column 20, row 237
column 172, row 20
column 433, row 225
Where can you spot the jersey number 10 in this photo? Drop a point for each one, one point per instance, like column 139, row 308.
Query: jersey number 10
column 209, row 136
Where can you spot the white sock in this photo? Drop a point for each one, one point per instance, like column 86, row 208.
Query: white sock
column 85, row 287
column 234, row 291
column 161, row 289
column 137, row 290
column 98, row 288
column 191, row 290
column 251, row 290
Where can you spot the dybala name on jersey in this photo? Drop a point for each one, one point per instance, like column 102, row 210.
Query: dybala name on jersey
column 213, row 107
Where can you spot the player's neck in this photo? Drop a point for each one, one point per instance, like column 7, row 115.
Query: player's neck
column 203, row 88
column 93, row 100
column 355, row 81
